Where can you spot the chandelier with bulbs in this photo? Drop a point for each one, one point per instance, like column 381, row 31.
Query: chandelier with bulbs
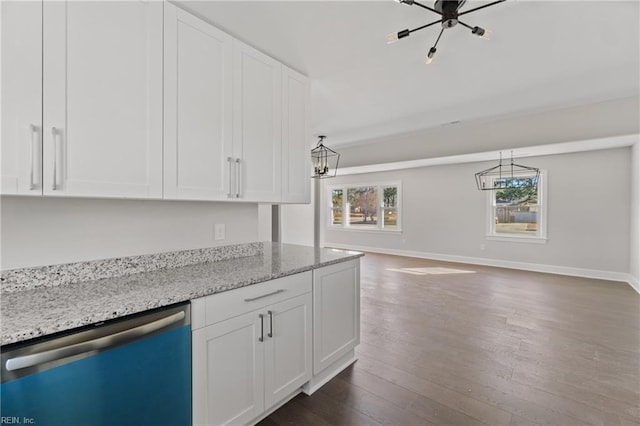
column 449, row 11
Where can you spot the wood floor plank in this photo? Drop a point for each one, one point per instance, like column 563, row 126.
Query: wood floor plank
column 294, row 413
column 474, row 408
column 579, row 394
column 333, row 411
column 390, row 392
column 494, row 347
column 496, row 392
column 371, row 405
column 440, row 414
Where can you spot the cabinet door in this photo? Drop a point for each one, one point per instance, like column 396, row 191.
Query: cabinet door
column 257, row 124
column 296, row 162
column 336, row 312
column 103, row 98
column 21, row 147
column 197, row 126
column 288, row 349
column 228, row 371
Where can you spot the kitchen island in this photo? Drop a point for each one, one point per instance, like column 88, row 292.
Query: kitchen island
column 31, row 306
column 265, row 321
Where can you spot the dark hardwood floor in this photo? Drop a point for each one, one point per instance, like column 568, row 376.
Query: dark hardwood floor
column 494, row 347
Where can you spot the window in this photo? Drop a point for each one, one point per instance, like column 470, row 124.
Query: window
column 367, row 207
column 336, row 207
column 517, row 211
column 362, row 206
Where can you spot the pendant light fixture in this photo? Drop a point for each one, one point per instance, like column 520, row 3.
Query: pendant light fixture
column 507, row 176
column 324, row 160
column 449, row 11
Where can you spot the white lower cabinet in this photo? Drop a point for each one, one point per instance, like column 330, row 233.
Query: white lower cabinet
column 256, row 347
column 336, row 305
column 244, row 365
column 288, row 348
column 336, row 320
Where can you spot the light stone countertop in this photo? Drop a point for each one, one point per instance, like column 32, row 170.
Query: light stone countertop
column 44, row 310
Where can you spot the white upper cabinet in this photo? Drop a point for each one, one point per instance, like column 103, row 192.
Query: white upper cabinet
column 102, row 99
column 236, row 120
column 296, row 171
column 21, row 147
column 257, row 125
column 140, row 99
column 197, row 108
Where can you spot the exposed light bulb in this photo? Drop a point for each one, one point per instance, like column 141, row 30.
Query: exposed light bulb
column 393, row 37
column 432, row 52
column 482, row 33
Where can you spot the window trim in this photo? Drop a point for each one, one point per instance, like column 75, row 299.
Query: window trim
column 541, row 234
column 363, row 228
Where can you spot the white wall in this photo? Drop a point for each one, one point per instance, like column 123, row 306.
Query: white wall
column 264, row 222
column 444, row 214
column 45, row 231
column 296, row 221
column 592, row 121
column 634, row 251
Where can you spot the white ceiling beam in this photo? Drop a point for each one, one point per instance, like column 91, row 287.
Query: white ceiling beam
column 530, row 151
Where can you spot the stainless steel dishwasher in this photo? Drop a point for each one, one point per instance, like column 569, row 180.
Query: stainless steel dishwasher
column 131, row 371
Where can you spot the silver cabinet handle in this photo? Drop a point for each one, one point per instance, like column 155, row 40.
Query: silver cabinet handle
column 237, row 178
column 92, row 345
column 270, row 334
column 230, row 162
column 33, row 129
column 55, row 133
column 261, row 338
column 251, row 299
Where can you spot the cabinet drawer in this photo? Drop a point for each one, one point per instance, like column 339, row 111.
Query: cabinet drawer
column 222, row 306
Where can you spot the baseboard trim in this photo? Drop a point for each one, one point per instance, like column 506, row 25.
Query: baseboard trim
column 535, row 267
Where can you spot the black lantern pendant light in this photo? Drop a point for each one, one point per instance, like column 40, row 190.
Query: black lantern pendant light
column 324, row 160
column 449, row 11
column 507, row 176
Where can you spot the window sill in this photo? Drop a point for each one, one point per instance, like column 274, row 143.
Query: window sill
column 372, row 230
column 517, row 239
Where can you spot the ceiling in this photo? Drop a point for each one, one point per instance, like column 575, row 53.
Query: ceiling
column 543, row 55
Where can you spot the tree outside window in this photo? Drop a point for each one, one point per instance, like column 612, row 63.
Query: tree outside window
column 336, row 206
column 365, row 207
column 389, row 207
column 515, row 209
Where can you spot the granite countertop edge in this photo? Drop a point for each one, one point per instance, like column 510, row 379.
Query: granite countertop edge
column 42, row 312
